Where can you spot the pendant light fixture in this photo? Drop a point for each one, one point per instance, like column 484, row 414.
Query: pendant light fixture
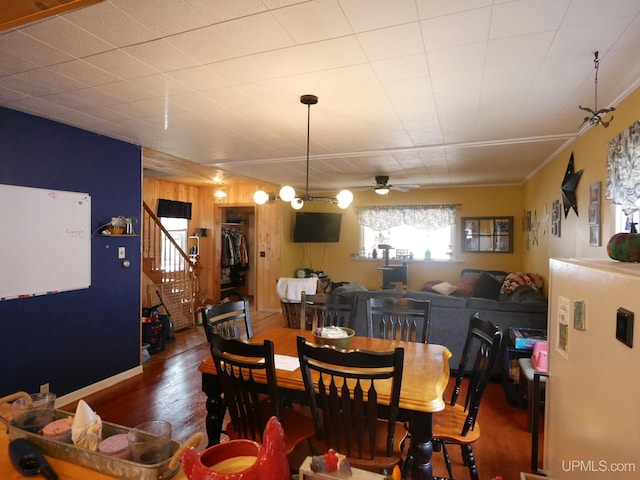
column 288, row 194
column 596, row 115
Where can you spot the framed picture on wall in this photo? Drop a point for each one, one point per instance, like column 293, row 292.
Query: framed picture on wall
column 594, row 235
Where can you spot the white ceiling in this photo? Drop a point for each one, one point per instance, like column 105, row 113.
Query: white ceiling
column 429, row 92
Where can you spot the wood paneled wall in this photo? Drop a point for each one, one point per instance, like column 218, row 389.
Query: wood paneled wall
column 268, row 220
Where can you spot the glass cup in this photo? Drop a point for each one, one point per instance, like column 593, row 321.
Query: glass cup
column 34, row 414
column 150, row 442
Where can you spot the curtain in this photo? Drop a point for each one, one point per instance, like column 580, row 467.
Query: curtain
column 623, row 169
column 424, row 217
column 174, row 209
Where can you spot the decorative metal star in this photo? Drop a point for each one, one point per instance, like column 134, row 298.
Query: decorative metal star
column 569, row 187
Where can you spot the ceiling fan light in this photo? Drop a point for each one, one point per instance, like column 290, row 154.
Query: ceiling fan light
column 260, row 197
column 287, row 193
column 381, row 190
column 345, row 197
column 297, row 203
column 220, row 193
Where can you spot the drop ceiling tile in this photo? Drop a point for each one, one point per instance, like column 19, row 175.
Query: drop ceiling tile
column 509, row 49
column 66, row 37
column 161, row 55
column 326, row 55
column 8, row 95
column 31, row 50
column 111, row 24
column 438, row 8
column 518, row 18
column 125, row 92
column 199, row 78
column 121, row 64
column 411, row 66
column 456, row 60
column 392, row 42
column 259, row 33
column 313, row 21
column 216, row 11
column 10, row 63
column 457, row 29
column 365, row 15
column 163, row 17
column 206, row 45
column 84, row 72
column 161, row 84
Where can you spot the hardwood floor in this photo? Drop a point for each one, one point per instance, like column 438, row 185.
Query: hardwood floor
column 169, row 389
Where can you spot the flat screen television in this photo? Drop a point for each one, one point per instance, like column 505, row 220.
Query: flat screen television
column 317, row 227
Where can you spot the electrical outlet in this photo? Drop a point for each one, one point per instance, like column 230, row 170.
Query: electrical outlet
column 122, row 253
column 44, row 388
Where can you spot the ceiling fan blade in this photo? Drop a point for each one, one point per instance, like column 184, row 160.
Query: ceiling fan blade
column 405, row 187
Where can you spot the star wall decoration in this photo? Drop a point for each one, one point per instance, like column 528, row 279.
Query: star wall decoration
column 569, row 187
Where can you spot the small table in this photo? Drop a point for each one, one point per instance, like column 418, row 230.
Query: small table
column 424, row 381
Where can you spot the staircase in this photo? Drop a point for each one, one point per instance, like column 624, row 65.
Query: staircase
column 176, row 277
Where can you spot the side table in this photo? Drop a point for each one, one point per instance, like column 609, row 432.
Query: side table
column 511, row 371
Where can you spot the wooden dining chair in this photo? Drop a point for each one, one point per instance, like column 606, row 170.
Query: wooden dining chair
column 324, row 309
column 342, row 389
column 403, row 319
column 291, row 313
column 251, row 401
column 231, row 319
column 457, row 423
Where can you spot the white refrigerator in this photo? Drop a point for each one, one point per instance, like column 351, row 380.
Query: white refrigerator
column 592, row 411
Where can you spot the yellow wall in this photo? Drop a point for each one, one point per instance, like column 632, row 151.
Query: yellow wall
column 590, row 156
column 334, row 259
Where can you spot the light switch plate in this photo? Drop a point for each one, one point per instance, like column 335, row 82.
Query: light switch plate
column 122, row 253
column 624, row 326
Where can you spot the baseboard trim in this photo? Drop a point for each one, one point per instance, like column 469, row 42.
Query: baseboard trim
column 96, row 387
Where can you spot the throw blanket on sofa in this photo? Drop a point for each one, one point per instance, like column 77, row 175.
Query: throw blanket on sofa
column 289, row 289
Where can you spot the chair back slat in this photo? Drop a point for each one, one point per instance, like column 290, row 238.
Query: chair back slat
column 344, row 396
column 323, row 310
column 403, row 319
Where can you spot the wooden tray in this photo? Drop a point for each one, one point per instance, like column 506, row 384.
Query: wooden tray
column 116, row 467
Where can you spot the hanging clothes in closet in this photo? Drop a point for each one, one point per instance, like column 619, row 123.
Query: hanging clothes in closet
column 235, row 257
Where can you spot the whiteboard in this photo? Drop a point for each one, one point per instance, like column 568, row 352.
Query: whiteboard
column 45, row 244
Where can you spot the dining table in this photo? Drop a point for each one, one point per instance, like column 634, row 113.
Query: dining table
column 424, row 380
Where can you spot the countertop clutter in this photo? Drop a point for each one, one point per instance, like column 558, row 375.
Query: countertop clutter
column 64, row 470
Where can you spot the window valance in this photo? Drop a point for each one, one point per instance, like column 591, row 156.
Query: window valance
column 623, row 169
column 424, row 217
column 174, row 209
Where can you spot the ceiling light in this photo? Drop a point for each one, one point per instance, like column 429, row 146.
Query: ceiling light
column 288, row 193
column 596, row 115
column 220, row 193
column 261, row 197
column 381, row 190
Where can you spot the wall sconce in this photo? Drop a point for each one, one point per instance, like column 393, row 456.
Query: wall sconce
column 220, row 193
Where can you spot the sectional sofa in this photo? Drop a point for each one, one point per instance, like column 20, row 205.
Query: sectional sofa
column 523, row 307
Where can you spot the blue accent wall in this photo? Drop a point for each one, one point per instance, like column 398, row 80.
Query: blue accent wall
column 73, row 339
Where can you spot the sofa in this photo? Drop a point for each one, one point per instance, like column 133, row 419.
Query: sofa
column 495, row 294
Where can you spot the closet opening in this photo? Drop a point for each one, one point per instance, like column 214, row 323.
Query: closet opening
column 236, row 256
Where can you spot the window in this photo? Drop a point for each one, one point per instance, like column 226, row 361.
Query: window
column 487, row 234
column 414, row 231
column 171, row 261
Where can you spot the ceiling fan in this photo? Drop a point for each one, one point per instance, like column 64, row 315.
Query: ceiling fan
column 382, row 186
